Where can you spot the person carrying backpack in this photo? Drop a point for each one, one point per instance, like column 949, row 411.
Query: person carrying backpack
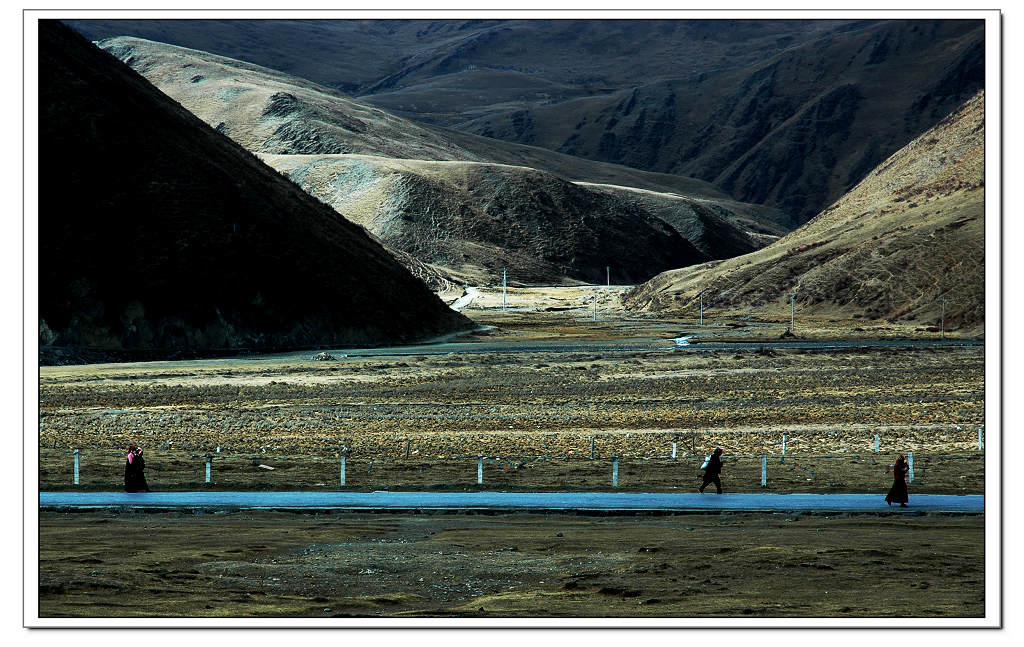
column 712, row 471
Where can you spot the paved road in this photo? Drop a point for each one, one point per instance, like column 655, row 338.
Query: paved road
column 509, row 501
column 631, row 344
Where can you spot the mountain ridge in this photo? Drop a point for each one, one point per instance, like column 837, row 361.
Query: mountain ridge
column 194, row 246
column 684, row 97
column 909, row 235
column 398, row 195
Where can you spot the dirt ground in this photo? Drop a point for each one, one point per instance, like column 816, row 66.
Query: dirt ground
column 542, row 421
column 569, row 312
column 254, row 564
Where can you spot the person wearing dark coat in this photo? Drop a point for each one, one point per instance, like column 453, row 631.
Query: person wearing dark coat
column 898, row 491
column 134, row 471
column 713, row 471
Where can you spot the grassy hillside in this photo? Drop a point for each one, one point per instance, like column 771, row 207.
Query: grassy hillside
column 910, row 234
column 159, row 235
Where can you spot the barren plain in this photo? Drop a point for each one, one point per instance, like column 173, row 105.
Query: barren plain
column 263, row 564
column 422, row 420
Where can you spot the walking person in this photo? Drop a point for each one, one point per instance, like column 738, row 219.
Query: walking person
column 134, row 471
column 898, row 491
column 712, row 471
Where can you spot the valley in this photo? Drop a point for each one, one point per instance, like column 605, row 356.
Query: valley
column 544, row 421
column 514, row 256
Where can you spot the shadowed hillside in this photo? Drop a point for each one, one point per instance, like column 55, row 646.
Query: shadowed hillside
column 786, row 113
column 462, row 218
column 911, row 233
column 160, row 236
column 443, row 70
column 794, row 131
column 270, row 112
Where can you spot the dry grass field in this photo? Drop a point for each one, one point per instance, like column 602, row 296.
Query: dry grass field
column 419, row 422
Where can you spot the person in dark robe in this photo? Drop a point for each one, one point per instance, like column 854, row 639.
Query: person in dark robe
column 712, row 473
column 898, row 491
column 134, row 471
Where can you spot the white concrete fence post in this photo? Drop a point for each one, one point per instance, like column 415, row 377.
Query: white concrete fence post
column 615, row 471
column 343, row 469
column 764, row 470
column 209, row 459
column 480, row 470
column 673, row 451
column 76, row 467
column 876, row 443
column 783, row 449
column 910, row 465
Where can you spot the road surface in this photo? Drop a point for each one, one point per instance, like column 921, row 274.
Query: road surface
column 509, row 501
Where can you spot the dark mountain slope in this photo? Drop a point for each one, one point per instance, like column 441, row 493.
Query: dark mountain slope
column 160, row 235
column 267, row 111
column 795, row 131
column 786, row 113
column 448, row 63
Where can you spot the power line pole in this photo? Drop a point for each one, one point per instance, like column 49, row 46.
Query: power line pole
column 701, row 295
column 504, row 281
column 942, row 321
column 792, row 312
column 608, row 274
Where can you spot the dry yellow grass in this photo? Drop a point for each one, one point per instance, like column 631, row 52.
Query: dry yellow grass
column 909, row 234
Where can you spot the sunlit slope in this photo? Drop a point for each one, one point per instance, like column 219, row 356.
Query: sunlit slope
column 476, row 219
column 270, row 112
column 911, row 233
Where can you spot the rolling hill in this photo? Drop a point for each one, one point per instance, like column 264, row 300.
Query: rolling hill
column 789, row 114
column 159, row 236
column 908, row 235
column 307, row 131
column 473, row 219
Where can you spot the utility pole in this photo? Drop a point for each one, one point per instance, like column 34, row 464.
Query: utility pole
column 701, row 295
column 504, row 281
column 792, row 312
column 942, row 321
column 608, row 275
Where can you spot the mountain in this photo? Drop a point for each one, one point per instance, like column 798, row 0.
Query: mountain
column 474, row 219
column 790, row 114
column 470, row 67
column 908, row 235
column 705, row 223
column 794, row 131
column 270, row 112
column 424, row 178
column 160, row 236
